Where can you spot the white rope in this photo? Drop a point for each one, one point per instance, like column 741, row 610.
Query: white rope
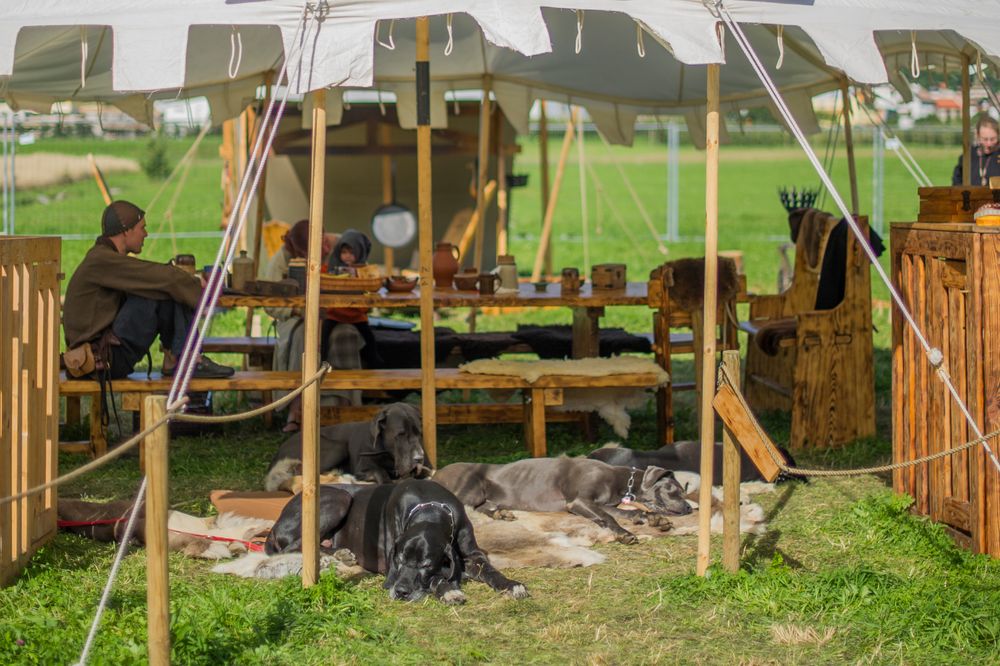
column 897, row 146
column 781, row 47
column 235, row 52
column 450, row 46
column 934, row 355
column 639, row 45
column 579, row 31
column 84, row 47
column 391, row 45
column 914, row 59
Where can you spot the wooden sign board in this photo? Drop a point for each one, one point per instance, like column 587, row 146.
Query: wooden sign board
column 745, row 430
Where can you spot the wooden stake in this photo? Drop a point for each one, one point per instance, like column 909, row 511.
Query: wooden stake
column 707, row 417
column 102, row 184
column 426, row 224
column 849, row 141
column 543, row 159
column 966, row 126
column 474, row 225
column 543, row 242
column 731, row 481
column 384, row 139
column 157, row 549
column 310, row 360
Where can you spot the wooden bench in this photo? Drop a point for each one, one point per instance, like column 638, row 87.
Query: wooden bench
column 546, row 390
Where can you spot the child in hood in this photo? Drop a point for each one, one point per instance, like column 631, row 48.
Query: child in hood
column 352, row 249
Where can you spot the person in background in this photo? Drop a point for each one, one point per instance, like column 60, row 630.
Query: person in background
column 985, row 156
column 289, row 322
column 118, row 304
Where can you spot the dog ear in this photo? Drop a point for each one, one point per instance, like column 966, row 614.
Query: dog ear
column 378, row 425
column 653, row 475
column 450, row 565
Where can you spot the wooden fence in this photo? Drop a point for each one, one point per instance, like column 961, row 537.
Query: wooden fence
column 29, row 394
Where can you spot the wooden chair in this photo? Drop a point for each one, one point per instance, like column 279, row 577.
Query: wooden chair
column 821, row 368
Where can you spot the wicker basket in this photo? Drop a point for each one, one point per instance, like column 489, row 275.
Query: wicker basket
column 334, row 284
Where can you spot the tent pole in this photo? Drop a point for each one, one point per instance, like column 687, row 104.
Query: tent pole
column 707, row 415
column 242, row 148
column 483, row 157
column 966, row 126
column 501, row 190
column 543, row 159
column 258, row 227
column 384, row 139
column 544, row 247
column 849, row 141
column 310, row 360
column 584, row 217
column 428, row 401
column 157, row 537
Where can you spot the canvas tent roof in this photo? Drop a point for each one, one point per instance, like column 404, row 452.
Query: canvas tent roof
column 129, row 53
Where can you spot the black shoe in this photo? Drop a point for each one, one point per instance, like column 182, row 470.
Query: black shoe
column 209, row 369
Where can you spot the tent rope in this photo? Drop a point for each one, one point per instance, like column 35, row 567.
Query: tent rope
column 934, row 355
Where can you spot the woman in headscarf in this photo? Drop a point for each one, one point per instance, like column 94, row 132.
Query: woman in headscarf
column 347, row 339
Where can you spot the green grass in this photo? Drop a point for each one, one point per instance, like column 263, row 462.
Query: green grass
column 845, row 574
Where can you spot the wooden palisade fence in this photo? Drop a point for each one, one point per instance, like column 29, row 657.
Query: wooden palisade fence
column 29, row 394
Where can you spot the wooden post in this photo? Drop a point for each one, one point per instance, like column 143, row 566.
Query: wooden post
column 731, row 481
column 501, row 191
column 543, row 242
column 242, row 149
column 707, row 416
column 543, row 159
column 157, row 505
column 384, row 139
column 849, row 141
column 425, row 217
column 966, row 126
column 483, row 158
column 258, row 228
column 310, row 360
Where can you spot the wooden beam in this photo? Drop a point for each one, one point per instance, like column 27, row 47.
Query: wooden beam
column 852, row 170
column 310, row 360
column 707, row 417
column 426, row 234
column 731, row 481
column 966, row 126
column 157, row 547
column 543, row 242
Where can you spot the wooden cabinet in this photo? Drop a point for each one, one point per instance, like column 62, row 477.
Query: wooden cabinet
column 949, row 277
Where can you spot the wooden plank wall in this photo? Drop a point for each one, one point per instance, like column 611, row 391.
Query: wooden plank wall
column 29, row 399
column 950, row 278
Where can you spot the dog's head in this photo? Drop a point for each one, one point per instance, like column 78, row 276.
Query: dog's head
column 397, row 429
column 423, row 556
column 659, row 489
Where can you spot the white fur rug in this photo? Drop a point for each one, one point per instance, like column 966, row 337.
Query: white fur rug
column 196, row 537
column 586, row 367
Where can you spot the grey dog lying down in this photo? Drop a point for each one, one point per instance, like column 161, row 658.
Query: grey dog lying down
column 588, row 488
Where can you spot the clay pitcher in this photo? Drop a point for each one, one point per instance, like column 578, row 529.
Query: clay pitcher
column 445, row 265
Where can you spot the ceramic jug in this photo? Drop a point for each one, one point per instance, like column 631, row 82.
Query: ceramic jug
column 445, row 265
column 242, row 271
column 507, row 270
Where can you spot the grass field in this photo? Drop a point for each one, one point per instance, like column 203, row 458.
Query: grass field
column 845, row 573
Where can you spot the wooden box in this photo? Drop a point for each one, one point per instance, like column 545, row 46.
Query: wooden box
column 949, row 276
column 953, row 204
column 608, row 276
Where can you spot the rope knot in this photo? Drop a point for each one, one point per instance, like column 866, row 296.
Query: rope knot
column 936, row 357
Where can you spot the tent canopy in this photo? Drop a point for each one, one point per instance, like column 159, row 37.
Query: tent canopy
column 581, row 51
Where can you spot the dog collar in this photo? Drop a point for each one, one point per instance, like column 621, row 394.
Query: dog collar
column 427, row 505
column 629, row 496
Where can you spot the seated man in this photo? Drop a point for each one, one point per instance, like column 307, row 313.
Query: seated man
column 119, row 304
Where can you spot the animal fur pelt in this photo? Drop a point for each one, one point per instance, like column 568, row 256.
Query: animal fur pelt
column 611, row 404
column 260, row 565
column 688, row 281
column 294, row 485
column 583, row 367
column 814, row 226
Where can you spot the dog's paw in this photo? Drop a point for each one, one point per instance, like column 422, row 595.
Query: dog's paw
column 503, row 514
column 453, row 597
column 627, row 538
column 345, row 556
column 519, row 591
column 660, row 522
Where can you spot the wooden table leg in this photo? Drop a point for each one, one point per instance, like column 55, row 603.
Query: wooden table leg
column 534, row 422
column 98, row 440
column 72, row 410
column 586, row 331
column 664, row 394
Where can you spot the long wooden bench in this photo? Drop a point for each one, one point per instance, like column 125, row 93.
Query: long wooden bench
column 546, row 390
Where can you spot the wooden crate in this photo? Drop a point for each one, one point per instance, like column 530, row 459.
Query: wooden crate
column 29, row 394
column 952, row 204
column 949, row 276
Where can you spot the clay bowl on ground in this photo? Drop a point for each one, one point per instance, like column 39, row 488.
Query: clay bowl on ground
column 399, row 284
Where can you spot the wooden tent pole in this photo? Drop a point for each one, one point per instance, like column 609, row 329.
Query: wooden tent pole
column 243, row 126
column 502, row 190
column 428, row 401
column 849, row 141
column 543, row 242
column 384, row 139
column 707, row 415
column 483, row 158
column 258, row 226
column 543, row 159
column 157, row 538
column 310, row 356
column 731, row 481
column 966, row 126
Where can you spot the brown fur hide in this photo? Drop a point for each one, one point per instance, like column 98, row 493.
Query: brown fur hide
column 688, row 288
column 815, row 227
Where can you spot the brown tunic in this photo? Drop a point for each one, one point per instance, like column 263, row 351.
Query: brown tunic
column 98, row 288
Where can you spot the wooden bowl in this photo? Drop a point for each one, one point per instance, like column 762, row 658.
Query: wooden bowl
column 400, row 284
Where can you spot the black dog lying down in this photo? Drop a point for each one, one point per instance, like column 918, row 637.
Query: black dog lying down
column 686, row 457
column 588, row 488
column 389, row 446
column 415, row 532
